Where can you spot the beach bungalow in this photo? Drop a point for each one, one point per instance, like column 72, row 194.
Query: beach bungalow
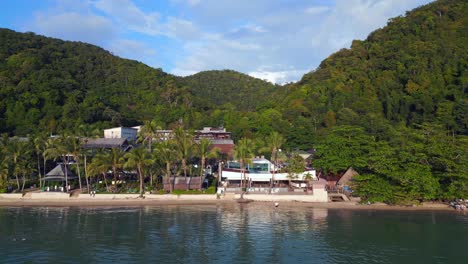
column 345, row 180
column 59, row 174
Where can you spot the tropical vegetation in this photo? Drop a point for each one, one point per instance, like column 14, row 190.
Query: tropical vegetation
column 392, row 106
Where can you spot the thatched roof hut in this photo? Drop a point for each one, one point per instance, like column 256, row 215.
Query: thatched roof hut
column 58, row 174
column 347, row 177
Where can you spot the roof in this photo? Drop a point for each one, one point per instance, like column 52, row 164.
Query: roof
column 58, row 174
column 347, row 177
column 116, row 128
column 105, row 143
column 224, row 148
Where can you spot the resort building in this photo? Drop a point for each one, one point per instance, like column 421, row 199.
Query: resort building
column 218, row 137
column 260, row 174
column 128, row 133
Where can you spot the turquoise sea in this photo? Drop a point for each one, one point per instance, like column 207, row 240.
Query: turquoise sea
column 234, row 233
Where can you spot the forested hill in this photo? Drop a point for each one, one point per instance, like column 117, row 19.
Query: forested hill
column 412, row 71
column 216, row 88
column 394, row 107
column 52, row 85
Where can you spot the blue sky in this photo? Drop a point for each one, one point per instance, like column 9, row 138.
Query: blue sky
column 277, row 40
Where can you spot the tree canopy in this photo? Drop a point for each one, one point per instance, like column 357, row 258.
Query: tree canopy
column 392, row 106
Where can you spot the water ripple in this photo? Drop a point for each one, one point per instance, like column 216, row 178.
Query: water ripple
column 229, row 234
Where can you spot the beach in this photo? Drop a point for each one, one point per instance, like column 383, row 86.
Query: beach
column 100, row 200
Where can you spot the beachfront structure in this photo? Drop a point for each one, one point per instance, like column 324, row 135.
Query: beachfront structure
column 218, row 137
column 60, row 173
column 128, row 133
column 260, row 173
column 183, row 183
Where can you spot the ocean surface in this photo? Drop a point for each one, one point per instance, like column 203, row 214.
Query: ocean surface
column 234, row 233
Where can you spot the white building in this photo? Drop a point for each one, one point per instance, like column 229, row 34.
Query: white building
column 128, row 133
column 259, row 174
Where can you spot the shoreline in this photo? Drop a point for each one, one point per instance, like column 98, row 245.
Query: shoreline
column 138, row 202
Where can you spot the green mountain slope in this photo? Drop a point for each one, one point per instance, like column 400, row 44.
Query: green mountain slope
column 412, row 71
column 216, row 88
column 394, row 107
column 52, row 85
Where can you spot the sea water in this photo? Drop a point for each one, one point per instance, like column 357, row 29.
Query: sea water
column 232, row 233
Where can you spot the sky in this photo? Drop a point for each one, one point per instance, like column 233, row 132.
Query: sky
column 275, row 40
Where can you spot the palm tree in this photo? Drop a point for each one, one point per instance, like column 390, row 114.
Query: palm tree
column 76, row 150
column 166, row 153
column 18, row 151
column 205, row 151
column 100, row 164
column 40, row 147
column 308, row 177
column 4, row 170
column 148, row 132
column 4, row 161
column 274, row 141
column 138, row 158
column 118, row 160
column 59, row 148
column 24, row 168
column 243, row 153
column 183, row 143
column 85, row 155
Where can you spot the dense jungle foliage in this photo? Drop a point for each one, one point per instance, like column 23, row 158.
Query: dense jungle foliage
column 392, row 106
column 229, row 88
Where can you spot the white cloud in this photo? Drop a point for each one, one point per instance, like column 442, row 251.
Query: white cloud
column 130, row 16
column 75, row 26
column 278, row 77
column 180, row 29
column 273, row 40
column 315, row 10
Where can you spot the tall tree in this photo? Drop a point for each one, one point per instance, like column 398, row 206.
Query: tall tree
column 4, row 172
column 295, row 166
column 59, row 148
column 204, row 151
column 138, row 158
column 148, row 132
column 346, row 146
column 183, row 142
column 76, row 151
column 165, row 152
column 243, row 153
column 117, row 157
column 18, row 151
column 274, row 141
column 40, row 147
column 100, row 164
